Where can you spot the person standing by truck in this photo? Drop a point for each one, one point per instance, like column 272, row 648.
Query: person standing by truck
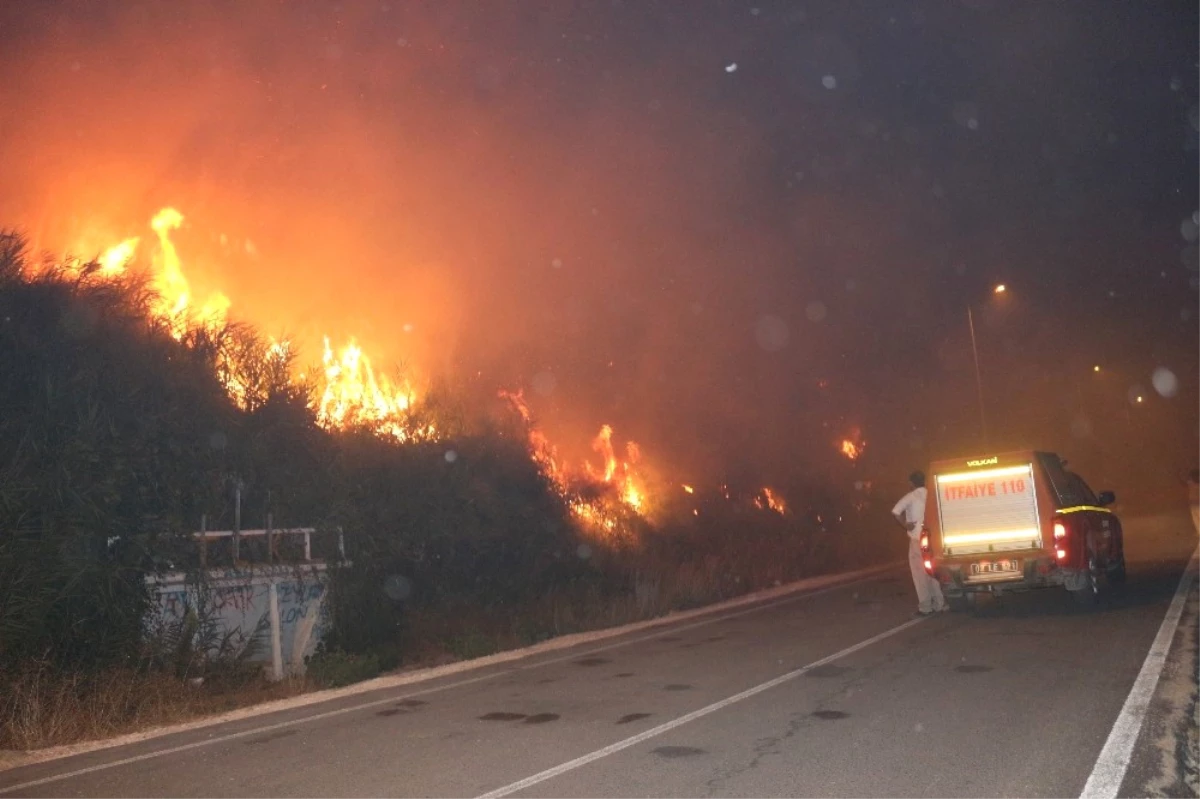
column 910, row 513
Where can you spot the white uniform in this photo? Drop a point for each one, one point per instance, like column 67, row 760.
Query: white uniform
column 911, row 508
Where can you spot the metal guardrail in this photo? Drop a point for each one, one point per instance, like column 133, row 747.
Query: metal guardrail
column 271, row 534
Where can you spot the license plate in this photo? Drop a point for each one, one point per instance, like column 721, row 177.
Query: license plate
column 996, row 567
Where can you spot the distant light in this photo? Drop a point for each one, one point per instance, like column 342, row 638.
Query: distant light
column 1141, row 399
column 689, row 489
column 1000, row 289
column 1096, row 368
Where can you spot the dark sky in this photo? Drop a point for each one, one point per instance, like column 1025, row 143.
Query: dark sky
column 682, row 218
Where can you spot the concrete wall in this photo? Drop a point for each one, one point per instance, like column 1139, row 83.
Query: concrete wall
column 241, row 600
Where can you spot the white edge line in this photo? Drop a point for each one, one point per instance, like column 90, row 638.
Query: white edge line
column 838, row 581
column 591, row 757
column 1109, row 771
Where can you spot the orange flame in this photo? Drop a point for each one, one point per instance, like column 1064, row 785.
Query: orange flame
column 115, row 259
column 621, row 476
column 355, row 397
column 353, row 394
column 769, row 500
column 174, row 303
column 851, row 450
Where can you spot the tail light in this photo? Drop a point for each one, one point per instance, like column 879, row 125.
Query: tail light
column 926, row 554
column 1060, row 542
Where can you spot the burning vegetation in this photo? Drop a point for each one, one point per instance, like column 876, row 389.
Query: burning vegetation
column 350, row 393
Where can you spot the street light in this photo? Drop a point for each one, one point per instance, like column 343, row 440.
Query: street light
column 998, row 289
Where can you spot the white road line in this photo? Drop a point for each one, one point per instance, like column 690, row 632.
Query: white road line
column 659, row 632
column 1109, row 771
column 767, row 605
column 591, row 757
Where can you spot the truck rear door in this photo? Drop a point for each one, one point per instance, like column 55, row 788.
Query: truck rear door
column 988, row 510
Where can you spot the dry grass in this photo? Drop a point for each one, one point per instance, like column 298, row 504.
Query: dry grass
column 657, row 586
column 40, row 707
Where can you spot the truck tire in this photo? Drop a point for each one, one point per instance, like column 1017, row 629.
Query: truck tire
column 960, row 603
column 1117, row 575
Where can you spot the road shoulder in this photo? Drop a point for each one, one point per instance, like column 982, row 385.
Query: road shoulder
column 10, row 760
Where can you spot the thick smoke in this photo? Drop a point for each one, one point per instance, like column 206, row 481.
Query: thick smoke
column 736, row 268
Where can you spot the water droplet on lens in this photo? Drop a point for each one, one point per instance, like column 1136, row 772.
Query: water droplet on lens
column 1165, row 382
column 771, row 333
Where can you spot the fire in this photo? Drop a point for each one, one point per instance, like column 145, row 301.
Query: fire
column 852, row 450
column 174, row 301
column 115, row 259
column 354, row 396
column 596, row 496
column 770, row 500
column 542, row 451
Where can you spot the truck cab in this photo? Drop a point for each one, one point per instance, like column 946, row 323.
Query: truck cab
column 1018, row 521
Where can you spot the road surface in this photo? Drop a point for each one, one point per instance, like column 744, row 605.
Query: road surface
column 834, row 693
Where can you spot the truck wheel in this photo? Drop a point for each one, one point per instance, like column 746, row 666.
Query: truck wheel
column 1116, row 575
column 960, row 603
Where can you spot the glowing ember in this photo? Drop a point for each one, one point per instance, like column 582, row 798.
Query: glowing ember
column 852, row 450
column 689, row 489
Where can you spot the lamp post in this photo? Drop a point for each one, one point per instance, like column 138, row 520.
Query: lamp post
column 999, row 289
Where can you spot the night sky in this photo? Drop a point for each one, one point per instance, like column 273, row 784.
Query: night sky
column 736, row 231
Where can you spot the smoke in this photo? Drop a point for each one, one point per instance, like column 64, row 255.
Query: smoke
column 579, row 200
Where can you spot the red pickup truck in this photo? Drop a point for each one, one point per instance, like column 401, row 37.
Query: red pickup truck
column 1016, row 521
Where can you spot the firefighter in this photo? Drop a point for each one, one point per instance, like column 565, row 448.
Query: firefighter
column 910, row 513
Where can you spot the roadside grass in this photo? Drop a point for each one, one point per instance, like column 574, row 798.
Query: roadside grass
column 41, row 706
column 634, row 586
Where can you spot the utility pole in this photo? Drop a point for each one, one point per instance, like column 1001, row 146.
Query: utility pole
column 978, row 378
column 237, row 519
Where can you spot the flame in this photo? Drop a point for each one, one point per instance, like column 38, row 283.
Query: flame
column 115, row 259
column 354, row 396
column 770, row 500
column 611, row 489
column 542, row 451
column 174, row 303
column 851, row 450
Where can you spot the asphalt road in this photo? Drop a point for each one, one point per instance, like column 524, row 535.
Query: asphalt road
column 834, row 693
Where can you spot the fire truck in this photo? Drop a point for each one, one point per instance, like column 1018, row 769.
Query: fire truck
column 1018, row 521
